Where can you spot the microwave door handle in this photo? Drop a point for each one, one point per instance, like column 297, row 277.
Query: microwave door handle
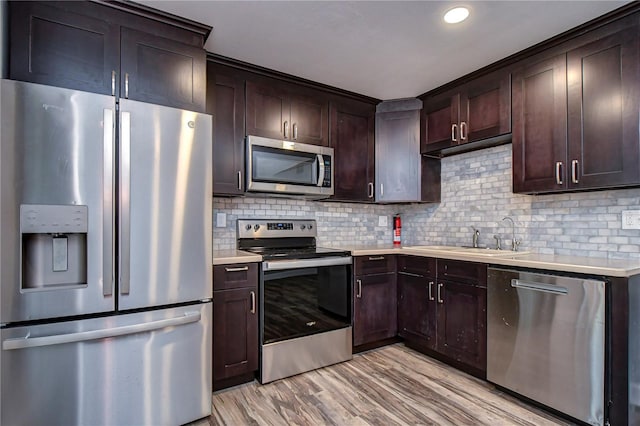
column 320, row 160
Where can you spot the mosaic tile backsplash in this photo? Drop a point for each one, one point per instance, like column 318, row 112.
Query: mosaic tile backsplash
column 476, row 191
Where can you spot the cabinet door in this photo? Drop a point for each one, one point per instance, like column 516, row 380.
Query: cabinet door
column 417, row 308
column 59, row 48
column 485, row 107
column 268, row 112
column 309, row 120
column 462, row 323
column 375, row 310
column 352, row 138
column 225, row 101
column 540, row 126
column 235, row 332
column 398, row 160
column 439, row 122
column 603, row 92
column 162, row 71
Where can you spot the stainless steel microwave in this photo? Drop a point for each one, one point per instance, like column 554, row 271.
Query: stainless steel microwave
column 288, row 167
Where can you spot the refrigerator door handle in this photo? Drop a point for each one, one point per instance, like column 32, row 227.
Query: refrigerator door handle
column 108, row 221
column 83, row 336
column 125, row 206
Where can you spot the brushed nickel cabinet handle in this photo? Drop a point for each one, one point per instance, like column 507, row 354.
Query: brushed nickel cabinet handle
column 295, row 131
column 240, row 269
column 559, row 172
column 574, row 171
column 409, row 274
column 463, row 131
column 240, row 180
column 359, row 292
column 113, row 83
column 253, row 302
column 454, row 128
column 286, row 128
column 430, row 290
column 376, row 258
column 370, row 187
column 440, row 293
column 382, row 189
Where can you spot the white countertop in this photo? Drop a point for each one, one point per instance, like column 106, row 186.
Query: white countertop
column 226, row 257
column 581, row 265
column 576, row 264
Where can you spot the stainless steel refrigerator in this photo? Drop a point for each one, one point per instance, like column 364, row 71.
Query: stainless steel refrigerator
column 105, row 260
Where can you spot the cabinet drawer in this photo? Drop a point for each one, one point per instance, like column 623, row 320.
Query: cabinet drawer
column 423, row 266
column 238, row 275
column 375, row 264
column 462, row 272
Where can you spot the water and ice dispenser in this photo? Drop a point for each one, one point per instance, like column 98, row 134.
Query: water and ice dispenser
column 53, row 246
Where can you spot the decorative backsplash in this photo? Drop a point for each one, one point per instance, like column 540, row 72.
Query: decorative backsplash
column 476, row 191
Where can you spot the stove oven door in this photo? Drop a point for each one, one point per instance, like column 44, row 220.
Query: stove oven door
column 306, row 311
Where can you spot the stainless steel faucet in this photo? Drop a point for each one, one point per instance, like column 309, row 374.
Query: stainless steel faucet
column 514, row 241
column 476, row 235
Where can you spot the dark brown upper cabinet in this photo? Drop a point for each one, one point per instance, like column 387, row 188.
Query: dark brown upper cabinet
column 162, row 71
column 98, row 48
column 225, row 102
column 576, row 115
column 282, row 111
column 352, row 136
column 475, row 111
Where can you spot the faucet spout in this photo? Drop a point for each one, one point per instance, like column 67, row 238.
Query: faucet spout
column 514, row 241
column 476, row 235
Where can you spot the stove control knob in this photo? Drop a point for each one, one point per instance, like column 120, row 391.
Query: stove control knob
column 256, row 227
column 310, row 226
column 248, row 227
column 302, row 227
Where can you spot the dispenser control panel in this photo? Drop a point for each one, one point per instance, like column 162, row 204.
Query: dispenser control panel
column 50, row 219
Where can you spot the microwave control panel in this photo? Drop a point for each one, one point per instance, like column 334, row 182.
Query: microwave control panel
column 327, row 173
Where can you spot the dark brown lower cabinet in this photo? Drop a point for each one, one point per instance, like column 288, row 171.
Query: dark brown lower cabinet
column 374, row 299
column 417, row 318
column 444, row 317
column 235, row 325
column 374, row 313
column 462, row 323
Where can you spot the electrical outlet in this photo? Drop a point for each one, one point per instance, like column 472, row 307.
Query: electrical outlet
column 221, row 220
column 631, row 219
column 382, row 221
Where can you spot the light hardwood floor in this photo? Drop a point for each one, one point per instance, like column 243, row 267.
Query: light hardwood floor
column 392, row 385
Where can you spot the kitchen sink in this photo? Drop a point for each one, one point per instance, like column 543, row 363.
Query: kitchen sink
column 469, row 250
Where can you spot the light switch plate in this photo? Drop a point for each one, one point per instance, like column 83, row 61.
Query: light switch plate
column 221, row 220
column 382, row 221
column 631, row 219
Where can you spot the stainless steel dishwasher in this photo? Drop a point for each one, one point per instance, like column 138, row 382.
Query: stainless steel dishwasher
column 546, row 340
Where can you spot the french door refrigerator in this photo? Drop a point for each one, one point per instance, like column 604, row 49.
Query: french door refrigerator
column 105, row 249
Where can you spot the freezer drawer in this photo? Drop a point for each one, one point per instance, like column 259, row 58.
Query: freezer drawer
column 147, row 368
column 546, row 340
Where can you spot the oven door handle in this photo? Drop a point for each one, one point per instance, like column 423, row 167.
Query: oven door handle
column 278, row 265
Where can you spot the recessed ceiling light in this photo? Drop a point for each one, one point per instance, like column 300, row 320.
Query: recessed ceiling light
column 456, row 15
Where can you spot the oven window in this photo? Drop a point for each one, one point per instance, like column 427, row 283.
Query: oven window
column 281, row 166
column 301, row 302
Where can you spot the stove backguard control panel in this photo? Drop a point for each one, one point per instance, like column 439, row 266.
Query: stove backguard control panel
column 276, row 228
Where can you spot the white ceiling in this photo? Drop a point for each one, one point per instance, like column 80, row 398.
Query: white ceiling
column 383, row 49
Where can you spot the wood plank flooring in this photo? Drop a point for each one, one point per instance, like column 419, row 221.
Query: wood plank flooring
column 392, row 385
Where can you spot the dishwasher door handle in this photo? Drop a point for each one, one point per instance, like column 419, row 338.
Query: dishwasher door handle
column 546, row 288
